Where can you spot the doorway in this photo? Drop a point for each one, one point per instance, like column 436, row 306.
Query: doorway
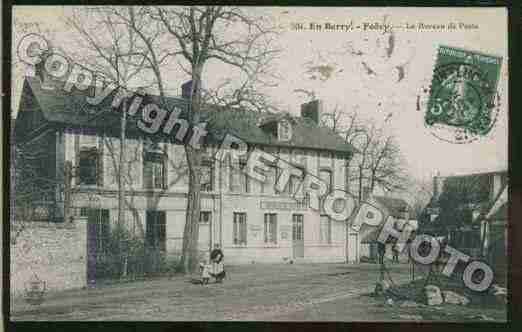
column 98, row 233
column 155, row 240
column 298, row 235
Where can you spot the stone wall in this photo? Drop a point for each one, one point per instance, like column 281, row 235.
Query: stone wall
column 55, row 252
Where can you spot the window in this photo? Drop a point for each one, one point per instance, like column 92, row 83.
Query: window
column 297, row 227
column 89, row 166
column 326, row 176
column 285, row 130
column 207, row 175
column 325, row 229
column 271, row 177
column 271, row 228
column 240, row 228
column 154, row 167
column 294, row 182
column 84, row 212
column 268, row 186
column 156, row 230
column 205, row 217
column 239, row 181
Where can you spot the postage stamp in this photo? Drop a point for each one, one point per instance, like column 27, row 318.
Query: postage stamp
column 463, row 98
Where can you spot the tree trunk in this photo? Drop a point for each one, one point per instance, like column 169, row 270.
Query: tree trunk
column 121, row 189
column 189, row 257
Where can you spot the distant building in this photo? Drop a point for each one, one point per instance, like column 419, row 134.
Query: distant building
column 400, row 212
column 12, row 171
column 487, row 200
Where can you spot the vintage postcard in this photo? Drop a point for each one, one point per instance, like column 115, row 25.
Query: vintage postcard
column 192, row 163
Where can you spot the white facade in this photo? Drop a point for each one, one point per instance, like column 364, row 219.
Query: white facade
column 321, row 241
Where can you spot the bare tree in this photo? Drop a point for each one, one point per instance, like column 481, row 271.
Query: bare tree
column 112, row 51
column 377, row 161
column 421, row 192
column 381, row 62
column 145, row 39
column 204, row 34
column 386, row 165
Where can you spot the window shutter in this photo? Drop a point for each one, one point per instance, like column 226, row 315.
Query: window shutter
column 235, row 232
column 275, row 228
column 244, row 229
column 146, row 174
column 162, row 230
column 99, row 166
column 266, row 228
column 165, row 167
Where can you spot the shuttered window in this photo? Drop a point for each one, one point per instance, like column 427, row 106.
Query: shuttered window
column 271, row 228
column 240, row 228
column 89, row 166
column 154, row 167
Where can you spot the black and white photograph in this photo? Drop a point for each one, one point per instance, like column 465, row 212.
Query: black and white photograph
column 258, row 163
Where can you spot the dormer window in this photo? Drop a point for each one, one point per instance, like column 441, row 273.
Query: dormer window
column 154, row 166
column 284, row 130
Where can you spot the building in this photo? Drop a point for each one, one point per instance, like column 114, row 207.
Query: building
column 251, row 221
column 484, row 196
column 396, row 208
column 494, row 235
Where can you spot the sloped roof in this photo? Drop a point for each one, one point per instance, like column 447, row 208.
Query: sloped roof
column 71, row 109
column 395, row 206
column 482, row 183
column 369, row 234
column 389, row 206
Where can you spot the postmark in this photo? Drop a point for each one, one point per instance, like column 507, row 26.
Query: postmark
column 463, row 101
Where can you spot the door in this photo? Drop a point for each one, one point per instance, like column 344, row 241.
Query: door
column 205, row 231
column 97, row 242
column 352, row 248
column 155, row 239
column 297, row 235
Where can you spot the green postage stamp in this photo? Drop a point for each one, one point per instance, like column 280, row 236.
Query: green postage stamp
column 463, row 100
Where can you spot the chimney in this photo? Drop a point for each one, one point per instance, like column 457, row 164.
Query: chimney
column 312, row 110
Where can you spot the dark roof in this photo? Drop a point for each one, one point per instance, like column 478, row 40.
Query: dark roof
column 71, row 109
column 395, row 206
column 480, row 181
column 482, row 202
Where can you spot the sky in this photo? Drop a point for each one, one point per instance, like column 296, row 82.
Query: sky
column 346, row 58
